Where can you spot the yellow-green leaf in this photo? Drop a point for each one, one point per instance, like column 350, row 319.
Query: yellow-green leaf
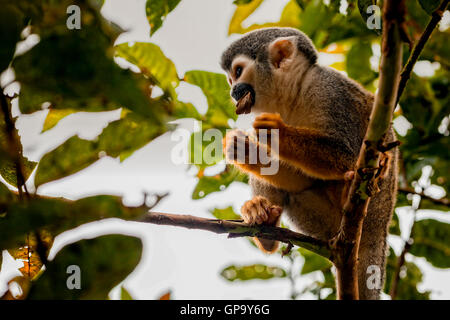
column 251, row 272
column 225, row 213
column 217, row 91
column 241, row 13
column 152, row 62
column 54, row 116
column 157, row 10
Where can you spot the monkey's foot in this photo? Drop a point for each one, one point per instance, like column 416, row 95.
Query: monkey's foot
column 259, row 210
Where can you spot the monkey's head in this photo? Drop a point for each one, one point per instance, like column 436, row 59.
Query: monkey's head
column 264, row 66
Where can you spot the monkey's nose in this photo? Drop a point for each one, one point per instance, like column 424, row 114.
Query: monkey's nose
column 241, row 89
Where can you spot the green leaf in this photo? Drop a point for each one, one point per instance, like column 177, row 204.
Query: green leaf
column 362, row 7
column 402, row 200
column 416, row 15
column 437, row 48
column 422, row 107
column 6, row 196
column 72, row 156
column 328, row 283
column 157, row 10
column 313, row 262
column 7, row 158
column 88, row 83
column 103, row 263
column 251, row 272
column 209, row 184
column 358, row 63
column 124, row 294
column 431, row 242
column 30, row 10
column 124, row 136
column 225, row 213
column 217, row 91
column 152, row 62
column 394, row 227
column 119, row 138
column 58, row 215
column 429, row 5
column 206, row 150
column 9, row 173
column 315, row 11
column 410, row 278
column 185, row 110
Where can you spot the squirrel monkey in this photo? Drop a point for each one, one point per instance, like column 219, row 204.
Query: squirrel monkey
column 321, row 117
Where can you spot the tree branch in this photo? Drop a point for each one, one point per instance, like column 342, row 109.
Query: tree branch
column 401, row 261
column 442, row 201
column 14, row 147
column 237, row 228
column 417, row 50
column 345, row 245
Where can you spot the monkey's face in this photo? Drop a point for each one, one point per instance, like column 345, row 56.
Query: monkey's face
column 242, row 81
column 266, row 83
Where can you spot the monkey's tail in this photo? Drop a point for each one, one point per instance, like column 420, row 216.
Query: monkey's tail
column 373, row 245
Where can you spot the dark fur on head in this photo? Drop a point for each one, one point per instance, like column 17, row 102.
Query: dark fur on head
column 254, row 45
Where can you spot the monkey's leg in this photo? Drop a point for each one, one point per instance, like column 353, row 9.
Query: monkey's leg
column 259, row 210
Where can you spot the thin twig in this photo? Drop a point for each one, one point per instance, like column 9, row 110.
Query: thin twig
column 402, row 258
column 14, row 148
column 15, row 153
column 442, row 201
column 417, row 50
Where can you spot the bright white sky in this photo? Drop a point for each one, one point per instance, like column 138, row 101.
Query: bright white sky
column 188, row 262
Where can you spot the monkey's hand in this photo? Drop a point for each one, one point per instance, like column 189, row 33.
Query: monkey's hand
column 259, row 210
column 269, row 122
column 240, row 148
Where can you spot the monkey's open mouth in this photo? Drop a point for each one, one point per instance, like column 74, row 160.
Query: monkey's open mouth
column 245, row 104
column 244, row 95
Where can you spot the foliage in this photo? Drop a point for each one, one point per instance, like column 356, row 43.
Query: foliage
column 67, row 72
column 251, row 272
column 103, row 260
column 70, row 71
column 157, row 10
column 410, row 277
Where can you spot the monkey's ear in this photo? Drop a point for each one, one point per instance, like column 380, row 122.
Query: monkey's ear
column 280, row 51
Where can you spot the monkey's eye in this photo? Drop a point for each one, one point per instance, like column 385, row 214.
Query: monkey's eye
column 238, row 72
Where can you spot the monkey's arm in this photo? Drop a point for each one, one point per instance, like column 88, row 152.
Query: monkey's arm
column 315, row 153
column 282, row 175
